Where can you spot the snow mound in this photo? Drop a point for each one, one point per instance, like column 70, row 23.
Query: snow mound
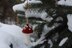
column 12, row 34
column 5, row 40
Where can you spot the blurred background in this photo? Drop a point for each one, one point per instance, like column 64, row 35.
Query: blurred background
column 7, row 14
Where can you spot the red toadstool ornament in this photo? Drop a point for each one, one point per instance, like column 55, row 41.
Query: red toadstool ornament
column 27, row 29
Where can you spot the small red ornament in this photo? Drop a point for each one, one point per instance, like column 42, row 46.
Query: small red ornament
column 27, row 29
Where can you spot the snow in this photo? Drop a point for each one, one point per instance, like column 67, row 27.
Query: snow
column 22, row 0
column 33, row 2
column 33, row 12
column 20, row 15
column 63, row 41
column 39, row 41
column 13, row 34
column 69, row 23
column 50, row 42
column 5, row 40
column 66, row 3
column 18, row 7
column 46, row 29
column 3, row 45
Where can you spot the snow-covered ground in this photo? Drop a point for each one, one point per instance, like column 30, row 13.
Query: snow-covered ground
column 13, row 34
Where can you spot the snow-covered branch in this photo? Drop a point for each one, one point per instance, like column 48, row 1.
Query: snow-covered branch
column 65, row 2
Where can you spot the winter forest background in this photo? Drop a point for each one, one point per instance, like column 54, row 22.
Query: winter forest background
column 51, row 19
